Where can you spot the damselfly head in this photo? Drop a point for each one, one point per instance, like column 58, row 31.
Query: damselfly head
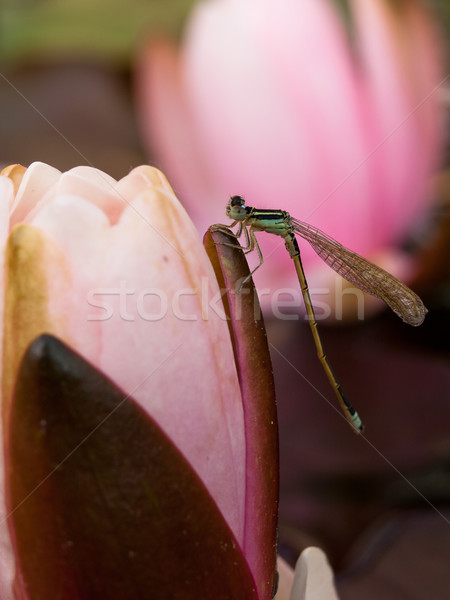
column 236, row 208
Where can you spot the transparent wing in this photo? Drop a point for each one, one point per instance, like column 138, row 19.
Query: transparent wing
column 364, row 274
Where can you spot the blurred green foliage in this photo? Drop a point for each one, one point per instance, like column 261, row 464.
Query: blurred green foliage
column 106, row 28
column 109, row 29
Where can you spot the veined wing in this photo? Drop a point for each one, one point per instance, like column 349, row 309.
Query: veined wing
column 364, row 274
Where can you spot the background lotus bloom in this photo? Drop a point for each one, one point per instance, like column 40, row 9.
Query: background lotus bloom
column 117, row 272
column 285, row 105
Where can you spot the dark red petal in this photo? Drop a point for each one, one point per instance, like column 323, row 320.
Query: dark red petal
column 102, row 504
column 254, row 368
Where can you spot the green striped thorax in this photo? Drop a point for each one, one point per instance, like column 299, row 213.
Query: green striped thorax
column 277, row 222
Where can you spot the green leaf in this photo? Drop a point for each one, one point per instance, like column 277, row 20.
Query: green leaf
column 102, row 504
column 104, row 28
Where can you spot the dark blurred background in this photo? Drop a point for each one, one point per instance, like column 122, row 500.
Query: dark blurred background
column 380, row 504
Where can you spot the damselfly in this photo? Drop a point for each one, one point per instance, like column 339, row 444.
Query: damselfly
column 356, row 269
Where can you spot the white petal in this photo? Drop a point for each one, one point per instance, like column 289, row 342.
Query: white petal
column 313, row 579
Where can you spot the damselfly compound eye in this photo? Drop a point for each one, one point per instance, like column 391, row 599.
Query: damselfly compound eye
column 236, row 208
column 237, row 201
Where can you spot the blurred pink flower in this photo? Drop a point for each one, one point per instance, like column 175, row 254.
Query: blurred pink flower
column 117, row 271
column 279, row 103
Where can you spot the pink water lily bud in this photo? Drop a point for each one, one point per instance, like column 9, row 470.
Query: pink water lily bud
column 337, row 120
column 115, row 271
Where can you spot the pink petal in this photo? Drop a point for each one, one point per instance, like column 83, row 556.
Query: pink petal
column 167, row 122
column 286, row 580
column 94, row 185
column 6, row 552
column 125, row 513
column 149, row 282
column 396, row 99
column 260, row 416
column 277, row 143
column 38, row 179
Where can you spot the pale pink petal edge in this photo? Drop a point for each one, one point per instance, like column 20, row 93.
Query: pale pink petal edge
column 313, row 578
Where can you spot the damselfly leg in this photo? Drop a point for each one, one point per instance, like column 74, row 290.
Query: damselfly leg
column 251, row 243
